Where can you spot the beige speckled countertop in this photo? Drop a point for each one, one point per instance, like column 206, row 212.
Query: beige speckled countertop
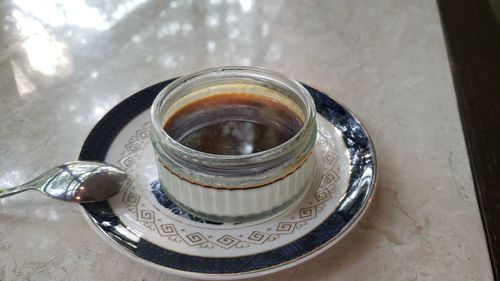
column 63, row 65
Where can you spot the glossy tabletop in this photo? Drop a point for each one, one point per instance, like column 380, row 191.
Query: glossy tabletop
column 63, row 65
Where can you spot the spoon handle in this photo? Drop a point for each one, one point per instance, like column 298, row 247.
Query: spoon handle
column 13, row 190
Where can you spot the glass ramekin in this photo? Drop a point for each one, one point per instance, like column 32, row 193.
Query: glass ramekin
column 235, row 188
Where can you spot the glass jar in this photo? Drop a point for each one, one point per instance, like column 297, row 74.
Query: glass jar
column 235, row 188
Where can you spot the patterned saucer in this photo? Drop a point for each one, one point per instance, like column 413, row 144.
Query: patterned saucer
column 145, row 224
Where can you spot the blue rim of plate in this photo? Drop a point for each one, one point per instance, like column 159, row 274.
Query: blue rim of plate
column 360, row 190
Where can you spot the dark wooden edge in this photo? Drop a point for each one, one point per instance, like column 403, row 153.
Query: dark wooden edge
column 472, row 32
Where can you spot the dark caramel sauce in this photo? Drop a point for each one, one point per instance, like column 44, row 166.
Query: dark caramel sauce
column 233, row 124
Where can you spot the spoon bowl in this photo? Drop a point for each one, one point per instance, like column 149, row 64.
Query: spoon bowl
column 79, row 182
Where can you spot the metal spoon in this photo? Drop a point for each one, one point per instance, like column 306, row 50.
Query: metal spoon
column 80, row 182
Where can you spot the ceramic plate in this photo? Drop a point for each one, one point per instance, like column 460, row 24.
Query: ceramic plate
column 146, row 225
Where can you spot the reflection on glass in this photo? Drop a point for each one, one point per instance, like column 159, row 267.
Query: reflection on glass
column 169, row 61
column 245, row 61
column 10, row 178
column 23, row 83
column 77, row 13
column 56, row 13
column 212, row 21
column 187, row 27
column 246, row 5
column 174, row 4
column 100, row 106
column 265, row 29
column 275, row 52
column 168, row 30
column 78, row 119
column 36, row 21
column 136, row 39
column 99, row 111
column 234, row 33
column 45, row 54
column 211, row 46
column 51, row 215
column 231, row 17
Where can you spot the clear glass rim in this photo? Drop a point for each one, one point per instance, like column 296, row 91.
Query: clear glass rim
column 309, row 116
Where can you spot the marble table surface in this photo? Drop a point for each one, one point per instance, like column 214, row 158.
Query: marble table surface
column 63, row 65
